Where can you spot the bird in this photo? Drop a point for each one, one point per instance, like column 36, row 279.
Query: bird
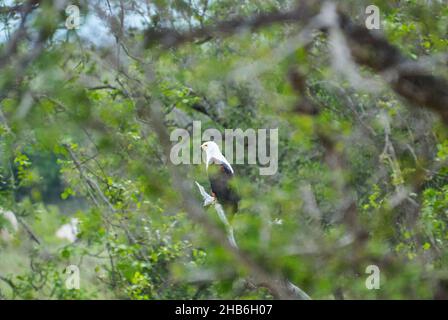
column 220, row 173
column 69, row 231
column 10, row 226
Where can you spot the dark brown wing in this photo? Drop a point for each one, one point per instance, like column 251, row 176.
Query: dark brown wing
column 220, row 176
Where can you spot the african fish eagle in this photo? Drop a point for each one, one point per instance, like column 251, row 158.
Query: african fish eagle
column 220, row 172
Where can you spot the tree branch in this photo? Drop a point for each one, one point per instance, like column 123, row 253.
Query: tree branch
column 408, row 79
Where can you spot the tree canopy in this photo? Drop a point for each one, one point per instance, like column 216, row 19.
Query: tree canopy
column 91, row 93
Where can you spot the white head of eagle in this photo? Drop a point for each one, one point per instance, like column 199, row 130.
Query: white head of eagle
column 219, row 179
column 214, row 155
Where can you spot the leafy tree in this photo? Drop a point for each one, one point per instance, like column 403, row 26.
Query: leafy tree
column 85, row 119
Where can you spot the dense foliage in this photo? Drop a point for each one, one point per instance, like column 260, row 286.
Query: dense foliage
column 85, row 115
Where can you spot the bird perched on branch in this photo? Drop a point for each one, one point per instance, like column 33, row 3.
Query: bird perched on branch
column 220, row 173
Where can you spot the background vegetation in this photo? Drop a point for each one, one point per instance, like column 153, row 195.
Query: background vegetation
column 363, row 148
